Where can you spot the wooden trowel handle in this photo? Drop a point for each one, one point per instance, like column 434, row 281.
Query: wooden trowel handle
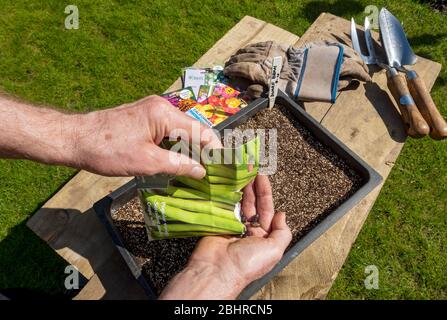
column 415, row 124
column 424, row 101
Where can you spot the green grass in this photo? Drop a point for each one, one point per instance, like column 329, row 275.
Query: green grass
column 125, row 50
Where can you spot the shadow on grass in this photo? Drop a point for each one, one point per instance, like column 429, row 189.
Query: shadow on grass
column 423, row 44
column 429, row 39
column 340, row 8
column 441, row 83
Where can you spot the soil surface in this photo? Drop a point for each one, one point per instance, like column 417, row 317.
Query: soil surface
column 309, row 183
column 160, row 260
column 310, row 180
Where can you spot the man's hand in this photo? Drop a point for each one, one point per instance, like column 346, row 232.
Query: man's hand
column 124, row 141
column 121, row 141
column 221, row 267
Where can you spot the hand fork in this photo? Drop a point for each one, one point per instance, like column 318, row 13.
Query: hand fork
column 415, row 124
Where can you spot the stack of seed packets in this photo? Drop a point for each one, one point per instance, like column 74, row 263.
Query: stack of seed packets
column 210, row 101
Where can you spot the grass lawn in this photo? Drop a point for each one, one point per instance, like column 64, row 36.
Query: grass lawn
column 124, row 50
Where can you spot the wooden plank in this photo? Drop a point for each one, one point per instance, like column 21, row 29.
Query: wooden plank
column 69, row 225
column 375, row 132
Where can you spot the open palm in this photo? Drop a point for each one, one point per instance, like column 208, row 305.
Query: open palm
column 235, row 262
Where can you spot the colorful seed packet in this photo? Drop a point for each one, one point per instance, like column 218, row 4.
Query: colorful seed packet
column 184, row 99
column 221, row 104
column 204, row 93
column 214, row 103
column 195, row 77
column 215, row 75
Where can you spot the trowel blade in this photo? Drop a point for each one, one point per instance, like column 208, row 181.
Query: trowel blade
column 394, row 40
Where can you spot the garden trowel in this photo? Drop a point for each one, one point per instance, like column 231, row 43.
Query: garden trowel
column 415, row 125
column 399, row 54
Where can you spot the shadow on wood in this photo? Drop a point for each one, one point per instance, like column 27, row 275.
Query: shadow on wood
column 29, row 269
column 381, row 101
column 112, row 277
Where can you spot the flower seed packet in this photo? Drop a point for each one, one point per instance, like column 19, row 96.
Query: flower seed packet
column 194, row 78
column 221, row 104
column 184, row 99
column 204, row 93
column 215, row 75
column 198, row 115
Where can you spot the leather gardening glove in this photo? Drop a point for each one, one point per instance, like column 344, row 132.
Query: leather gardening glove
column 250, row 67
column 313, row 73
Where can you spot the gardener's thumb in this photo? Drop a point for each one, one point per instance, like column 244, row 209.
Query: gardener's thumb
column 280, row 234
column 177, row 164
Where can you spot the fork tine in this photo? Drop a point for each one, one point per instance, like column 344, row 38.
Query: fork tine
column 356, row 45
column 369, row 40
column 354, row 38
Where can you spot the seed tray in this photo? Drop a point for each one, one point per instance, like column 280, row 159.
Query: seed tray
column 369, row 180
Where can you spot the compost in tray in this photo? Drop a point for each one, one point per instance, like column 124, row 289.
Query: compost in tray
column 310, row 182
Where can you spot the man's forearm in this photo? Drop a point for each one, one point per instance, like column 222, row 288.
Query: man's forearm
column 35, row 133
column 121, row 141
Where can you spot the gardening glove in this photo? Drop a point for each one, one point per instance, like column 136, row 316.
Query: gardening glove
column 313, row 73
column 250, row 67
column 316, row 71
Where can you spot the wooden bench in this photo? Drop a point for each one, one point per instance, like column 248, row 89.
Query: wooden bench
column 365, row 119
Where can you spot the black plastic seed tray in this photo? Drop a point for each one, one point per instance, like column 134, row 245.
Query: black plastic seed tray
column 370, row 179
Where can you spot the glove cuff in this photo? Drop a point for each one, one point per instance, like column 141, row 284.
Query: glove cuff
column 317, row 70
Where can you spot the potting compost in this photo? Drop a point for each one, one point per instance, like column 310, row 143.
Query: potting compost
column 310, row 180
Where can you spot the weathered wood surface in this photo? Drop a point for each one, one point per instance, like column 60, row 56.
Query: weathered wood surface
column 365, row 119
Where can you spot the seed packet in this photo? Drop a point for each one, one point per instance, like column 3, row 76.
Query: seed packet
column 184, row 207
column 199, row 115
column 195, row 77
column 204, row 93
column 184, row 99
column 222, row 103
column 215, row 75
